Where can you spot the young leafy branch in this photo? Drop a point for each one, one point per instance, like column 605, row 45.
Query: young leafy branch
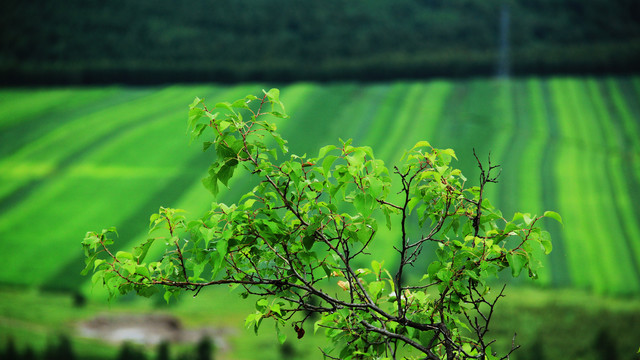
column 299, row 241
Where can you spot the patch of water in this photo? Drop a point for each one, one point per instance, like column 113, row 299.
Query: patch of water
column 149, row 330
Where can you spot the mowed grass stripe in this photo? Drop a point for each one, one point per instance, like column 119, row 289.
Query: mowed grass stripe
column 591, row 168
column 378, row 116
column 511, row 180
column 18, row 106
column 68, row 144
column 571, row 195
column 635, row 157
column 629, row 123
column 517, row 178
column 66, row 206
column 628, row 107
column 551, row 155
column 591, row 180
column 457, row 121
column 35, row 121
column 345, row 126
column 420, row 115
column 526, row 146
column 499, row 122
column 25, row 134
column 630, row 155
column 476, row 118
column 531, row 178
column 385, row 117
column 423, row 117
column 619, row 193
column 190, row 163
column 630, row 91
column 63, row 145
column 88, row 129
column 401, row 125
column 364, row 115
column 604, row 207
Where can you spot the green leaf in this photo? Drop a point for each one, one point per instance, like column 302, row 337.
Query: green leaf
column 276, row 309
column 433, row 269
column 194, row 115
column 527, row 218
column 554, row 215
column 123, row 256
column 421, row 144
column 273, row 95
column 211, row 183
column 517, row 261
column 221, row 246
column 282, row 337
column 89, row 264
column 167, row 295
column 281, row 142
column 545, row 240
column 141, row 250
column 356, row 159
column 325, row 149
column 375, row 185
column 444, row 274
column 146, row 291
column 224, row 105
column 375, row 288
column 262, row 304
column 206, row 145
column 197, row 131
column 248, row 204
column 387, row 217
column 225, row 152
column 197, row 101
column 142, row 270
column 198, row 268
column 327, row 163
column 226, row 171
column 308, row 242
column 223, row 125
column 364, row 204
column 412, row 203
column 376, row 267
column 240, row 104
column 97, row 276
column 215, row 171
column 279, row 114
column 450, row 152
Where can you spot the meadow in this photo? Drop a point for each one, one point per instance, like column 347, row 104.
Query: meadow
column 79, row 159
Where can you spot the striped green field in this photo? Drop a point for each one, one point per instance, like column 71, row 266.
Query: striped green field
column 78, row 159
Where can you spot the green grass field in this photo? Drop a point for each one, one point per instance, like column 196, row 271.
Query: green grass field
column 79, row 159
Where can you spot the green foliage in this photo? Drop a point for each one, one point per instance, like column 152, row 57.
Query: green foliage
column 281, row 39
column 299, row 241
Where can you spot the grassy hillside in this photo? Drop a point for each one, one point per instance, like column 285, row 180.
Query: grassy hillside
column 73, row 160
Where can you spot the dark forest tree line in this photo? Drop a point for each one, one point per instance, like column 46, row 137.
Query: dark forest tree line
column 151, row 41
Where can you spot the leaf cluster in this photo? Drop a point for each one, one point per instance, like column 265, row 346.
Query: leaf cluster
column 297, row 242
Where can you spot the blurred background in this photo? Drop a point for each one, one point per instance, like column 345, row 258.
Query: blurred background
column 93, row 106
